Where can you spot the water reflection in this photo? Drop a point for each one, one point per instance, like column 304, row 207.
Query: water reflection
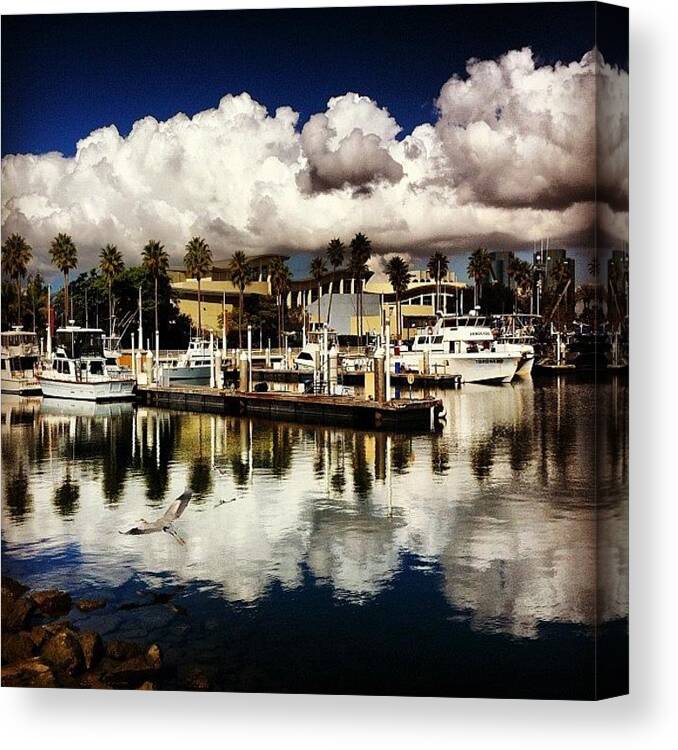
column 500, row 504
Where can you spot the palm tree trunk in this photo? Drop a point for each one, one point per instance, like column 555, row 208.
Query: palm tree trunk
column 240, row 300
column 110, row 308
column 319, row 292
column 66, row 300
column 18, row 300
column 156, row 304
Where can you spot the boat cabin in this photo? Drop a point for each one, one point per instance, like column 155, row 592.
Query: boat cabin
column 74, row 342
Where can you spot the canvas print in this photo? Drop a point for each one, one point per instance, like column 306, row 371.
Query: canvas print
column 315, row 351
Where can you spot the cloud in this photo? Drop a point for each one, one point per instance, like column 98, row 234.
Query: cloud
column 509, row 159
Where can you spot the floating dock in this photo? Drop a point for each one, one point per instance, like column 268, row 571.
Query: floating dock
column 397, row 414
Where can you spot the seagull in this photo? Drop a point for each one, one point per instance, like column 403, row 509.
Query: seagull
column 223, row 502
column 166, row 520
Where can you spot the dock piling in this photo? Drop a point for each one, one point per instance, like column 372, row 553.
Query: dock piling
column 244, row 373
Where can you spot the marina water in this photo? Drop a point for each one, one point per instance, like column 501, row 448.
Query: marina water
column 460, row 562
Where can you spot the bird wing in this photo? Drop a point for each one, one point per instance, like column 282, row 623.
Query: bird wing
column 177, row 507
column 148, row 529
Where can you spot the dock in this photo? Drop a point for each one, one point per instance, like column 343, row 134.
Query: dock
column 397, row 414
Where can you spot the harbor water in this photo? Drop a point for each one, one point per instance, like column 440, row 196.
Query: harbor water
column 455, row 562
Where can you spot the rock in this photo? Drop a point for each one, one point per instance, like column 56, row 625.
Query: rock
column 92, row 648
column 93, row 681
column 63, row 651
column 13, row 588
column 89, row 605
column 147, row 685
column 16, row 615
column 17, row 647
column 195, row 679
column 135, row 670
column 131, row 673
column 39, row 634
column 28, row 673
column 52, row 602
column 154, row 657
column 122, row 650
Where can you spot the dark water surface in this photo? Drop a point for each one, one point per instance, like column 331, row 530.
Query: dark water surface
column 456, row 563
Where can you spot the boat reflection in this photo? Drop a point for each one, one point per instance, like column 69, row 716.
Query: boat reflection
column 499, row 506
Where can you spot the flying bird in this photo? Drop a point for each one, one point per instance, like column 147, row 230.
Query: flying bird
column 166, row 521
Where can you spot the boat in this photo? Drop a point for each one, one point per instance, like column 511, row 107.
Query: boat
column 515, row 333
column 20, row 357
column 308, row 359
column 78, row 368
column 588, row 350
column 461, row 345
column 191, row 366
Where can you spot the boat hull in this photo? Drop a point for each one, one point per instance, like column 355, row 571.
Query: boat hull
column 20, row 386
column 525, row 366
column 107, row 390
column 472, row 368
column 198, row 375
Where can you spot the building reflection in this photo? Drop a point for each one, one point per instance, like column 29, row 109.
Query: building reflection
column 502, row 502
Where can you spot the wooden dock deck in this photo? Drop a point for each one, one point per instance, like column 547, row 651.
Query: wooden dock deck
column 400, row 414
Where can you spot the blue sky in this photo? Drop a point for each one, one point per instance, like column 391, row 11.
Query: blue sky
column 65, row 75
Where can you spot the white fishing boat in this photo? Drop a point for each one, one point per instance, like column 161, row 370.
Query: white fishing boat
column 78, row 368
column 20, row 355
column 516, row 333
column 459, row 345
column 191, row 366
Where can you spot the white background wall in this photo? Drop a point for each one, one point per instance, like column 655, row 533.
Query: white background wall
column 646, row 718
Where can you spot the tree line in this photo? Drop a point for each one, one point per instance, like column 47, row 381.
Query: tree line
column 26, row 303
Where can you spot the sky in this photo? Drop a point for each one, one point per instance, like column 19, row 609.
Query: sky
column 439, row 127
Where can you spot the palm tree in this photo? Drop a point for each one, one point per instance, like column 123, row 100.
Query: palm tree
column 437, row 269
column 514, row 271
column 36, row 295
column 280, row 283
column 318, row 270
column 111, row 265
column 16, row 255
column 521, row 273
column 361, row 252
column 479, row 269
column 399, row 276
column 241, row 273
column 65, row 257
column 335, row 256
column 155, row 260
column 198, row 262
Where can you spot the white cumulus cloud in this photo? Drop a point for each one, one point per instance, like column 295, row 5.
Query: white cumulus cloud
column 511, row 157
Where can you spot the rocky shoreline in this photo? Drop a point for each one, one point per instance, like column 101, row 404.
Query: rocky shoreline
column 40, row 648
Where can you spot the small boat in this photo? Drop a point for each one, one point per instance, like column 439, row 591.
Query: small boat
column 20, row 357
column 78, row 369
column 461, row 345
column 192, row 366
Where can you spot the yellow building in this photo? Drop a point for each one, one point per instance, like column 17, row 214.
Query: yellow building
column 334, row 295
